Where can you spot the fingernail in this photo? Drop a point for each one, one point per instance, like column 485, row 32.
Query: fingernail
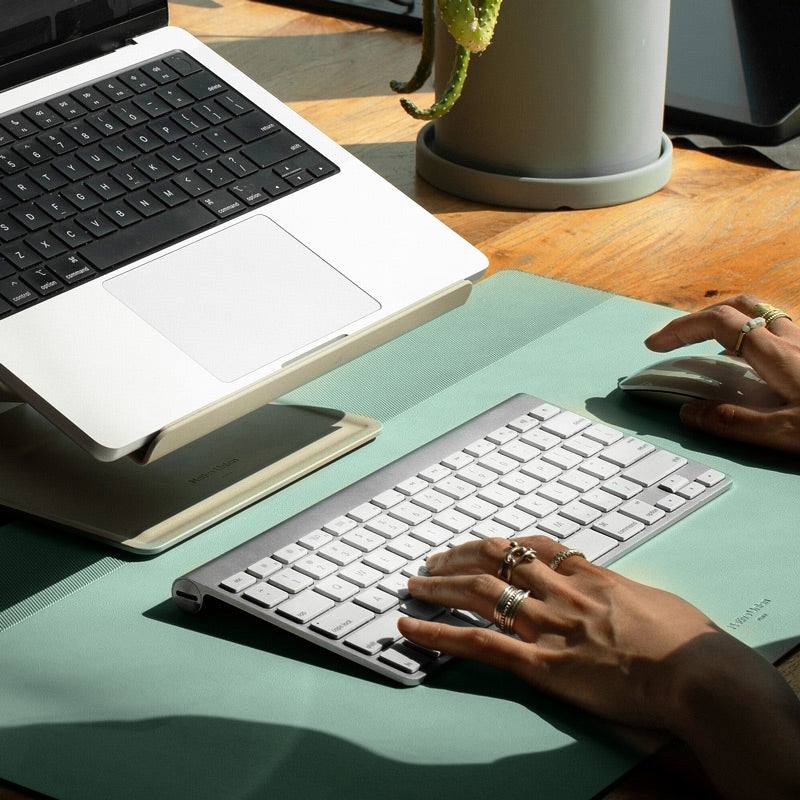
column 409, row 624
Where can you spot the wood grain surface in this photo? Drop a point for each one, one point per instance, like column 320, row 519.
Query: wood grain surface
column 722, row 225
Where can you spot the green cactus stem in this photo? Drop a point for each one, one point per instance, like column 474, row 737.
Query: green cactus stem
column 451, row 94
column 423, row 71
column 472, row 30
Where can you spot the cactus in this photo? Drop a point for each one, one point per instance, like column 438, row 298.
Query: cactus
column 472, row 31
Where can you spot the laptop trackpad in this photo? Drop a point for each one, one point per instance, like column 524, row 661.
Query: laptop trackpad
column 242, row 298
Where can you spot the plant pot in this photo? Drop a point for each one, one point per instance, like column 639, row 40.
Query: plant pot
column 564, row 109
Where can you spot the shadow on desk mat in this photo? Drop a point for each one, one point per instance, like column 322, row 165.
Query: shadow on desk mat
column 108, row 692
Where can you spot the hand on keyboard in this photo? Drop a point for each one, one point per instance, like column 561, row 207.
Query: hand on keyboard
column 774, row 353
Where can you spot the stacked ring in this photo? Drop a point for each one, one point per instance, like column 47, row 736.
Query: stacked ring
column 559, row 557
column 770, row 313
column 750, row 325
column 508, row 605
column 514, row 556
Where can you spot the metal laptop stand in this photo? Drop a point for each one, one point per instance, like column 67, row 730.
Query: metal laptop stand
column 204, row 467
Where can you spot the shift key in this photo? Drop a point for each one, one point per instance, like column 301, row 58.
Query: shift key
column 273, row 149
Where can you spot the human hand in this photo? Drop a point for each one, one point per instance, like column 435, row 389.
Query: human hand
column 773, row 353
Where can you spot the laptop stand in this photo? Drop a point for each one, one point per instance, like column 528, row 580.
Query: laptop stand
column 202, row 468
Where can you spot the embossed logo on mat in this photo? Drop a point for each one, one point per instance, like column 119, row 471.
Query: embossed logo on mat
column 754, row 613
column 221, row 467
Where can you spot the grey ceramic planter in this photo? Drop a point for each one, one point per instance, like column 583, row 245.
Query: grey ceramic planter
column 564, row 109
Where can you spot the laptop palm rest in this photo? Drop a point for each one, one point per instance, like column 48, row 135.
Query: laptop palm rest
column 243, row 297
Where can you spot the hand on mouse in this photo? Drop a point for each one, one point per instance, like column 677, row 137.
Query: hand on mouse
column 773, row 353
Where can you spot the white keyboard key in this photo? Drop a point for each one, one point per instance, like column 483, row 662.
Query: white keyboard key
column 410, row 486
column 582, row 446
column 315, row 567
column 603, row 434
column 433, row 473
column 561, row 458
column 376, row 600
column 641, row 511
column 305, row 606
column 430, row 533
column 490, row 529
column 471, row 617
column 386, row 526
column 537, row 506
column 364, row 512
column 673, row 483
column 375, row 636
column 342, row 620
column 414, row 569
column 519, row 451
column 590, row 543
column 457, row 460
column 600, row 499
column 340, row 553
column 544, row 411
column 541, row 470
column 396, row 585
column 476, row 508
column 540, row 439
column 315, row 539
column 405, row 659
column 581, row 481
column 238, row 582
column 290, row 581
column 361, row 575
column 463, row 538
column 711, row 477
column 515, row 519
column 479, row 448
column 519, row 483
column 410, row 513
column 290, row 553
column 557, row 492
column 454, row 521
column 388, row 499
column 522, row 424
column 265, row 595
column 339, row 525
column 626, row 451
column 408, row 547
column 565, row 424
column 476, row 476
column 501, row 435
column 691, row 490
column 499, row 496
column 558, row 525
column 363, row 540
column 456, row 488
column 498, row 463
column 598, row 468
column 621, row 488
column 433, row 500
column 336, row 588
column 653, row 468
column 618, row 526
column 670, row 502
column 264, row 568
column 421, row 610
column 579, row 512
column 384, row 561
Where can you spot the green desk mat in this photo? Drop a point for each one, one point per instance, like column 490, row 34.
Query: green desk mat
column 107, row 691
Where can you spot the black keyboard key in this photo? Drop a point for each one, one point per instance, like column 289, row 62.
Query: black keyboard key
column 5, row 308
column 167, row 130
column 105, row 124
column 20, row 255
column 6, row 269
column 71, row 234
column 71, row 268
column 48, row 177
column 255, row 125
column 44, row 116
column 46, row 245
column 58, row 142
column 150, row 234
column 177, row 157
column 135, row 79
column 130, row 177
column 11, row 163
column 32, row 151
column 202, row 85
column 192, row 184
column 160, row 72
column 97, row 158
column 169, row 194
column 97, row 224
column 275, row 148
column 91, row 99
column 19, row 126
column 153, row 167
column 145, row 203
column 299, row 178
column 223, row 204
column 215, row 174
column 221, row 139
column 7, row 199
column 114, row 90
column 42, row 280
column 189, row 121
column 234, row 104
column 213, row 112
column 66, row 107
column 104, row 185
column 249, row 193
column 84, row 198
column 10, row 229
column 182, row 64
column 6, row 138
column 81, row 132
column 199, row 148
column 240, row 166
column 144, row 139
column 120, row 148
column 275, row 187
column 23, row 187
column 175, row 96
column 31, row 216
column 16, row 292
column 56, row 207
column 72, row 168
column 153, row 105
column 130, row 114
column 121, row 213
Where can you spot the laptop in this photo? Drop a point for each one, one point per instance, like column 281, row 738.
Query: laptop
column 171, row 234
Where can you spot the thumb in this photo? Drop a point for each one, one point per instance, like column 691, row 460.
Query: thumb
column 778, row 429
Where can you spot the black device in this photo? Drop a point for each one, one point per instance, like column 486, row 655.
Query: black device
column 405, row 14
column 734, row 68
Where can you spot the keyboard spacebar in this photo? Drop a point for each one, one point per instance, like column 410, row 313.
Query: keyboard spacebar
column 148, row 235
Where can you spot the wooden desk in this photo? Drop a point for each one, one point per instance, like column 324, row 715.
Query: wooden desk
column 720, row 227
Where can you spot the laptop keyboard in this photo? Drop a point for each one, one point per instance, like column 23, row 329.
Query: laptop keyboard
column 337, row 573
column 114, row 170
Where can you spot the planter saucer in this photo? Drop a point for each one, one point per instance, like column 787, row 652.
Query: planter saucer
column 540, row 193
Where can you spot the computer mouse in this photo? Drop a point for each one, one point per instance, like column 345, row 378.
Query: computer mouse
column 719, row 378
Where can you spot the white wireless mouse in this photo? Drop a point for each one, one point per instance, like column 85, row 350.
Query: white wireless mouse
column 721, row 379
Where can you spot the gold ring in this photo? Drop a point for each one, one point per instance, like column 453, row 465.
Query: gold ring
column 514, row 556
column 770, row 313
column 556, row 560
column 750, row 325
column 508, row 605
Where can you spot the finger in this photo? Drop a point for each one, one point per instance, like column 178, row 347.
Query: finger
column 777, row 429
column 746, row 303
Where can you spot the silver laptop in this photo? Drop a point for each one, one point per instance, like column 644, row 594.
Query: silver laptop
column 171, row 233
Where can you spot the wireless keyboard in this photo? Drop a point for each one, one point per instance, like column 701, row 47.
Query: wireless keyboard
column 337, row 573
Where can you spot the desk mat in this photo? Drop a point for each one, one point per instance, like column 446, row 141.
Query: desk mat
column 108, row 691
